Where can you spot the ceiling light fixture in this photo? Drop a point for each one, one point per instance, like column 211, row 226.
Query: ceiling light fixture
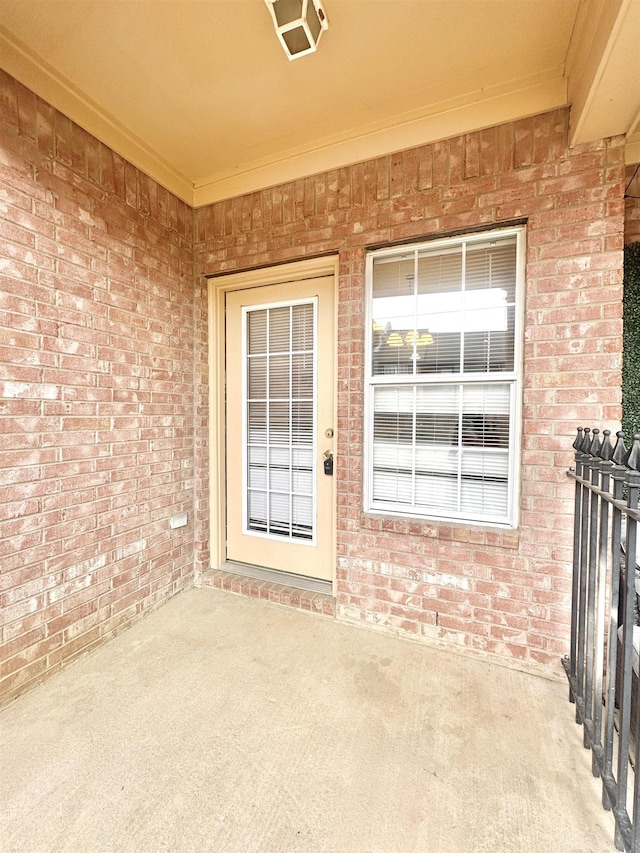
column 299, row 25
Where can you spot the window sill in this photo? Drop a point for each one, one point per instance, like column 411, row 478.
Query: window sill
column 446, row 531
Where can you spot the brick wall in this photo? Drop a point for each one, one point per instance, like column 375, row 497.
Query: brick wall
column 492, row 592
column 632, row 205
column 104, row 383
column 99, row 348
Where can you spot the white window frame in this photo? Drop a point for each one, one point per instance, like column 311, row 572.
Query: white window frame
column 514, row 378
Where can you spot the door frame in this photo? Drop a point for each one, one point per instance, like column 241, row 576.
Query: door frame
column 218, row 287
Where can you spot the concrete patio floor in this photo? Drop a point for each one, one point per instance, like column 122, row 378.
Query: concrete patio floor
column 228, row 724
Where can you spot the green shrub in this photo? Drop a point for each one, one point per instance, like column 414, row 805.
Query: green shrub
column 631, row 343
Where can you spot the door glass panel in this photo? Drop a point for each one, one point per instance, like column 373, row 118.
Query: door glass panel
column 279, row 376
column 279, row 325
column 279, row 402
column 258, row 378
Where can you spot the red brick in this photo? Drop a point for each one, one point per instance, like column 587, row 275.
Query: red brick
column 88, row 238
column 124, row 315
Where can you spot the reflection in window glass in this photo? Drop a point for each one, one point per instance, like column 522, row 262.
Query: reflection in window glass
column 447, row 311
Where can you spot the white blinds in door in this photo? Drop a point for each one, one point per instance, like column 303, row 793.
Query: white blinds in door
column 279, row 401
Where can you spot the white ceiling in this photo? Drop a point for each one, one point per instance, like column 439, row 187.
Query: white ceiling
column 199, row 94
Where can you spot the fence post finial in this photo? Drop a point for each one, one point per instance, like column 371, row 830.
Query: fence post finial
column 586, row 440
column 606, row 448
column 619, row 451
column 594, row 447
column 632, row 459
column 578, row 439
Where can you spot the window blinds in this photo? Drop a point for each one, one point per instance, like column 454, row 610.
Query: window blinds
column 443, row 378
column 279, row 417
column 444, row 446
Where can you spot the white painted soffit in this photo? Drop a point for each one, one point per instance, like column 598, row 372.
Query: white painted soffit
column 598, row 80
column 603, row 67
column 36, row 74
column 475, row 111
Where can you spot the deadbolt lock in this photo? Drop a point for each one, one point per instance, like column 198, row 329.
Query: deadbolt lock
column 328, row 433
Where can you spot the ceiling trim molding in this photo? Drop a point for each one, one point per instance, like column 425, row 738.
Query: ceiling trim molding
column 632, row 149
column 37, row 75
column 484, row 111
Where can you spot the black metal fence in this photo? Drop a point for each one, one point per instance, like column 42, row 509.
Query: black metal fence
column 603, row 667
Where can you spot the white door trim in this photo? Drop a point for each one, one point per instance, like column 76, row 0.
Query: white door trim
column 218, row 287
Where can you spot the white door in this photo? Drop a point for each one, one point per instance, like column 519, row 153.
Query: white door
column 280, row 425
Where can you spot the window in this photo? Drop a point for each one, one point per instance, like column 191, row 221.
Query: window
column 443, row 378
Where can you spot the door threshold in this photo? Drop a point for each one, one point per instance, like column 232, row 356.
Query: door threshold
column 285, row 578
